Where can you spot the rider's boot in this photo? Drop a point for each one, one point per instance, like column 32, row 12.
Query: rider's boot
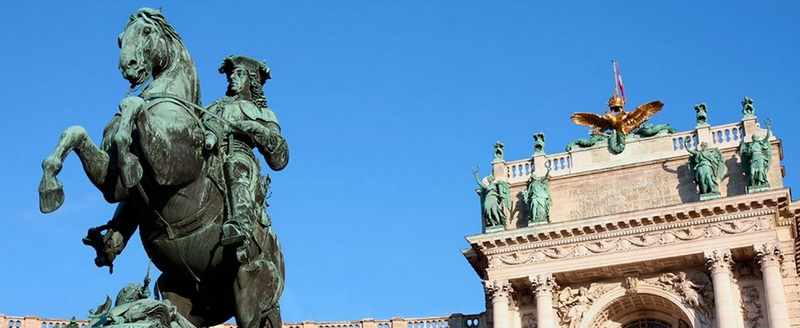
column 236, row 230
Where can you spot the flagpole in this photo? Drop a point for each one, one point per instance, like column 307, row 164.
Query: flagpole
column 616, row 83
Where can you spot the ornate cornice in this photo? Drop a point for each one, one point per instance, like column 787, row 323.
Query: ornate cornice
column 698, row 213
column 713, row 228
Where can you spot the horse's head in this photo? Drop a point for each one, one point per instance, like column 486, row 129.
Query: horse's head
column 146, row 46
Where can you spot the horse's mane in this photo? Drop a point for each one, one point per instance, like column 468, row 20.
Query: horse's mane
column 155, row 17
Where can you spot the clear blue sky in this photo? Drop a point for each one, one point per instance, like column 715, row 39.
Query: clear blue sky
column 385, row 105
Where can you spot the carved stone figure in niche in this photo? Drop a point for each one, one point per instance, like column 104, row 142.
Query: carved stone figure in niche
column 499, row 149
column 702, row 114
column 746, row 271
column 537, row 196
column 649, row 130
column 751, row 307
column 594, row 138
column 756, row 160
column 529, row 320
column 707, row 166
column 538, row 143
column 234, row 126
column 495, row 199
column 748, row 108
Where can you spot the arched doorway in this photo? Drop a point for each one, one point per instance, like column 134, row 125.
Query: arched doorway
column 646, row 309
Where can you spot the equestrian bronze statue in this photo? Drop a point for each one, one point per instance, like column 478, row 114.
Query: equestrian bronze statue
column 180, row 173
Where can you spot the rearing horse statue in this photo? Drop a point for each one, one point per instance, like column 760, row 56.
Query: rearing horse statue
column 152, row 162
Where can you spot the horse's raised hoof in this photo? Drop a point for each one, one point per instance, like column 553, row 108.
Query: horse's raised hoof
column 51, row 195
column 130, row 171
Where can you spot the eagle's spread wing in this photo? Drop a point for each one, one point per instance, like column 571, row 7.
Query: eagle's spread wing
column 593, row 120
column 641, row 114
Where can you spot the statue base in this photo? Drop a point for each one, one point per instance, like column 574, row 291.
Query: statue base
column 710, row 195
column 532, row 223
column 495, row 229
column 758, row 188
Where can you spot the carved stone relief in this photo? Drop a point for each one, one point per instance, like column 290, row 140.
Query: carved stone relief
column 529, row 320
column 693, row 287
column 631, row 284
column 751, row 307
column 747, row 271
column 572, row 303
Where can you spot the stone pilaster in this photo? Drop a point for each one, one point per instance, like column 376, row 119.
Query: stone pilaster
column 499, row 291
column 543, row 286
column 719, row 263
column 770, row 256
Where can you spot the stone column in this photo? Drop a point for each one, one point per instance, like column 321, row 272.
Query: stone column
column 719, row 263
column 499, row 291
column 543, row 285
column 770, row 256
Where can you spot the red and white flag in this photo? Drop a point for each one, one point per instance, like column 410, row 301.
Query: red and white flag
column 618, row 78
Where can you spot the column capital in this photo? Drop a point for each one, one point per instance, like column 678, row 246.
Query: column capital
column 543, row 282
column 769, row 254
column 719, row 260
column 498, row 289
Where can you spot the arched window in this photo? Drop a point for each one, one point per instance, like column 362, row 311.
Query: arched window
column 647, row 323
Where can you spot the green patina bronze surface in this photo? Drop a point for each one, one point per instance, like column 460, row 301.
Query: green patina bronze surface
column 537, row 196
column 748, row 107
column 495, row 199
column 707, row 166
column 594, row 139
column 756, row 160
column 701, row 112
column 134, row 308
column 187, row 178
column 648, row 130
column 616, row 142
column 499, row 151
column 538, row 143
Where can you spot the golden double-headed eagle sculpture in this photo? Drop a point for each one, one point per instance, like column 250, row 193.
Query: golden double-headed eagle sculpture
column 616, row 118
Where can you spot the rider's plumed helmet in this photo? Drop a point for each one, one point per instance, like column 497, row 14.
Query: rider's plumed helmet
column 253, row 66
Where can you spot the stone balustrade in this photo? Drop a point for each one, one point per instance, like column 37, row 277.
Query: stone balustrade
column 456, row 320
column 36, row 322
column 637, row 149
column 726, row 135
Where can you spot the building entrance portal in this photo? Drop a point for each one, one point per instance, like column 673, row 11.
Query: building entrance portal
column 640, row 311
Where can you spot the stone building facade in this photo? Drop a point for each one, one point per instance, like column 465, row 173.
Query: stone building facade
column 629, row 243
